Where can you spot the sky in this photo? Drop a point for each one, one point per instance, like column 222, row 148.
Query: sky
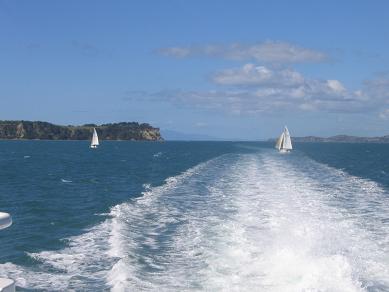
column 226, row 69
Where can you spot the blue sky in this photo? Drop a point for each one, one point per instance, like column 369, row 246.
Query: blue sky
column 230, row 69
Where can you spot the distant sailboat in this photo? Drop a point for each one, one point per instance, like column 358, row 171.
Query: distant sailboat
column 284, row 143
column 95, row 139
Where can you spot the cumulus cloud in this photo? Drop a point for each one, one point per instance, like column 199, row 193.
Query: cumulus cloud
column 260, row 89
column 267, row 52
column 379, row 87
column 290, row 88
column 274, row 86
column 251, row 75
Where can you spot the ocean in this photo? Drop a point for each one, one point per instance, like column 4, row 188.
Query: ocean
column 195, row 216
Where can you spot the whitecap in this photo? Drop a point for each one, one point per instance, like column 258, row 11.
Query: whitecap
column 252, row 222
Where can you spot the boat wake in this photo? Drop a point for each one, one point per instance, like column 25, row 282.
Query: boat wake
column 239, row 222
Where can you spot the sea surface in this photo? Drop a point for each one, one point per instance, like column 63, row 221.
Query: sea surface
column 195, row 216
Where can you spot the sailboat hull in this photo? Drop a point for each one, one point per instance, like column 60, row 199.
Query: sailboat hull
column 284, row 151
column 93, row 146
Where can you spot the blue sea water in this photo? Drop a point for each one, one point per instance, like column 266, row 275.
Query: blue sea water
column 195, row 216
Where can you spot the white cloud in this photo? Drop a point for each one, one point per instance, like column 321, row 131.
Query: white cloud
column 379, row 87
column 176, row 52
column 268, row 52
column 260, row 89
column 251, row 75
column 384, row 114
column 336, row 86
column 274, row 86
column 286, row 83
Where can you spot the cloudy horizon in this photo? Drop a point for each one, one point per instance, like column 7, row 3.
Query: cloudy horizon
column 243, row 71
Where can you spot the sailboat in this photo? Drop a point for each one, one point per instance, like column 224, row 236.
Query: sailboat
column 95, row 139
column 284, row 143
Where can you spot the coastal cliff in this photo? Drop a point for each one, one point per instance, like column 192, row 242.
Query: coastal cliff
column 46, row 131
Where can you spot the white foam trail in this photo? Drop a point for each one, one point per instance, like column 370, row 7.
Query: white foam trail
column 250, row 223
column 253, row 222
column 80, row 266
column 88, row 259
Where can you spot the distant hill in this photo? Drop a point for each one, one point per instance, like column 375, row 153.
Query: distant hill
column 47, row 131
column 341, row 139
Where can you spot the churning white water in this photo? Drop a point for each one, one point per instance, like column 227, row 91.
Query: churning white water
column 239, row 222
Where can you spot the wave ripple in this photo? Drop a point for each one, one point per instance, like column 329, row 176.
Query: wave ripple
column 240, row 222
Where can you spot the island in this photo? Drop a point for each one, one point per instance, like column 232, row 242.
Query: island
column 340, row 139
column 37, row 130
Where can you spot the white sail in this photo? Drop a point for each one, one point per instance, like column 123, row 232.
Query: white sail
column 95, row 139
column 280, row 141
column 284, row 143
column 287, row 145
